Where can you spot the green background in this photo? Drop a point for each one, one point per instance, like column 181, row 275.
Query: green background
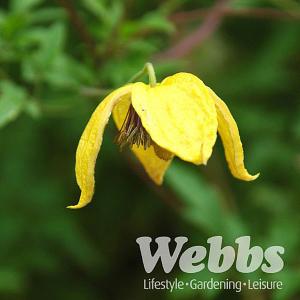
column 52, row 76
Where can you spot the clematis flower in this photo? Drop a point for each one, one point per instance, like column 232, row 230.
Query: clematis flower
column 178, row 117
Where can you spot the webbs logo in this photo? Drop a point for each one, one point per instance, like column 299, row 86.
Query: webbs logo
column 220, row 259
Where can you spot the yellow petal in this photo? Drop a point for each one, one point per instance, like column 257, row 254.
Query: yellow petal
column 180, row 116
column 153, row 165
column 90, row 143
column 229, row 133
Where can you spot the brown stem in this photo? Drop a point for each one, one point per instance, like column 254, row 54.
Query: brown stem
column 209, row 25
column 264, row 13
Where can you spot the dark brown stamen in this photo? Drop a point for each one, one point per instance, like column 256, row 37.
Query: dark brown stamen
column 161, row 152
column 132, row 133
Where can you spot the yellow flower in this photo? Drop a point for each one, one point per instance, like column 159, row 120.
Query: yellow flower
column 178, row 117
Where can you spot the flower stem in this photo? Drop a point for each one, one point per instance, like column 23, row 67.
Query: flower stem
column 151, row 73
column 148, row 69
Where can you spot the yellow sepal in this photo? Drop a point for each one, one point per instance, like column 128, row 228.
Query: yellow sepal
column 90, row 143
column 180, row 116
column 233, row 147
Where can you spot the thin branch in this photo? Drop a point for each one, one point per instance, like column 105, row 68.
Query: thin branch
column 263, row 13
column 209, row 25
column 80, row 27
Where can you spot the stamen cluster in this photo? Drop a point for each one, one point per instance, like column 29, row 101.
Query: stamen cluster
column 132, row 133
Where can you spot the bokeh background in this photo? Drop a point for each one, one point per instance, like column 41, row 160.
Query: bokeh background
column 57, row 61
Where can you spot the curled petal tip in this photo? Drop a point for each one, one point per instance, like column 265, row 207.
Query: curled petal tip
column 90, row 144
column 75, row 206
column 233, row 147
column 84, row 200
column 247, row 176
column 253, row 177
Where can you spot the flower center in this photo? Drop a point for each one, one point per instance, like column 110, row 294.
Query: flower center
column 132, row 133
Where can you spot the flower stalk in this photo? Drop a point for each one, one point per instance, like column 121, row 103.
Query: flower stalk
column 148, row 69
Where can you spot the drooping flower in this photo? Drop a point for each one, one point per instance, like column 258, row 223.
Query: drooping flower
column 178, row 117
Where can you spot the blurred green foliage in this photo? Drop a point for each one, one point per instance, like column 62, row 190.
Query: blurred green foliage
column 53, row 74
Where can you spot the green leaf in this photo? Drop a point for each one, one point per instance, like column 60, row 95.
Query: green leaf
column 109, row 15
column 66, row 72
column 11, row 280
column 48, row 14
column 52, row 42
column 24, row 5
column 12, row 100
column 203, row 205
column 33, row 108
column 48, row 43
column 97, row 8
column 156, row 21
column 150, row 22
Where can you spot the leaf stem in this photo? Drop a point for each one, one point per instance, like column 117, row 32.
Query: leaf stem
column 149, row 70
